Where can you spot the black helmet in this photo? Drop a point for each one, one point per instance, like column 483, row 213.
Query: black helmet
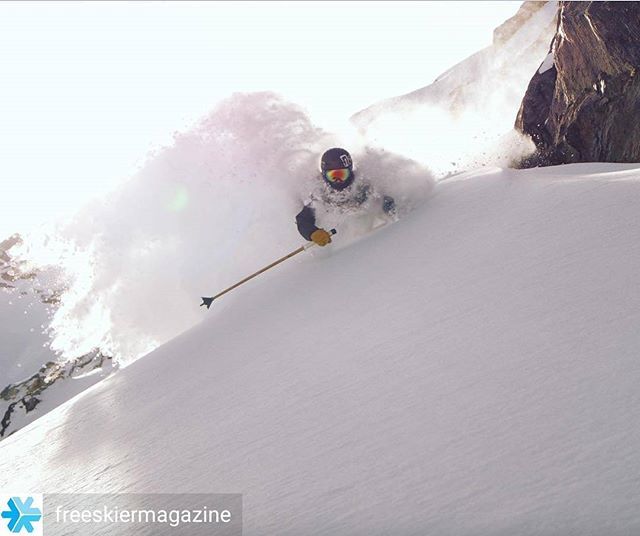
column 337, row 158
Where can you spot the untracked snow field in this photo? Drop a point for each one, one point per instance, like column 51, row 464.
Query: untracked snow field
column 470, row 370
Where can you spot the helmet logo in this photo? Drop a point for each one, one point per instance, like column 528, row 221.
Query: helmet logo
column 346, row 160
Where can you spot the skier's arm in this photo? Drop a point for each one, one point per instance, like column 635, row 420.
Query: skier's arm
column 306, row 222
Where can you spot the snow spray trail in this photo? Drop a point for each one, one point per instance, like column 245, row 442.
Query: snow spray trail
column 464, row 119
column 216, row 205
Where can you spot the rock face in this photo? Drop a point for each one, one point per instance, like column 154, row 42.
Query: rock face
column 18, row 400
column 583, row 103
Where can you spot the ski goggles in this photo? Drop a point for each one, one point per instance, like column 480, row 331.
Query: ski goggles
column 337, row 175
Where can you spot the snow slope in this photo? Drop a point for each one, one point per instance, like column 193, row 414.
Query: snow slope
column 472, row 369
column 220, row 199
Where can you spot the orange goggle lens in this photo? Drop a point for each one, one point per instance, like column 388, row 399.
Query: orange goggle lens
column 337, row 175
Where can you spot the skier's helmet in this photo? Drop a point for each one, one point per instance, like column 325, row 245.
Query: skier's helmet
column 337, row 168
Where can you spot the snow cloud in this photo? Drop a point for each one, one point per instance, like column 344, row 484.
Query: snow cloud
column 217, row 204
column 465, row 118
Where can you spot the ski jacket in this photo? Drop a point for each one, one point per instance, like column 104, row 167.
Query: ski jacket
column 345, row 200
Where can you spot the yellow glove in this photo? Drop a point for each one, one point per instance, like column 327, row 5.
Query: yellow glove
column 321, row 237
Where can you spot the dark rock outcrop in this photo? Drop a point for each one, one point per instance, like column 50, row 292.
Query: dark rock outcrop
column 24, row 396
column 585, row 106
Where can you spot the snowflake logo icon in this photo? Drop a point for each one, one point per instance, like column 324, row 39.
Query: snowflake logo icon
column 21, row 515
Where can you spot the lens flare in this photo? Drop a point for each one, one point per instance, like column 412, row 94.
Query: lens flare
column 179, row 200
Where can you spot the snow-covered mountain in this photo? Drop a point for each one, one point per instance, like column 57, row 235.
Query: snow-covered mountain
column 472, row 369
column 465, row 118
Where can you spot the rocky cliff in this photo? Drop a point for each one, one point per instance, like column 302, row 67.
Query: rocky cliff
column 583, row 103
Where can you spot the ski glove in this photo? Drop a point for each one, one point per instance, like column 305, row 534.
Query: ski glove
column 321, row 237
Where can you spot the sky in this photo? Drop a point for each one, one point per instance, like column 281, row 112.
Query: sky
column 88, row 89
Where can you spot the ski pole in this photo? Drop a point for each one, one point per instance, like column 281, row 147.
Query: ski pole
column 209, row 301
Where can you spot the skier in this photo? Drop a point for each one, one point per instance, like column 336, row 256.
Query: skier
column 338, row 191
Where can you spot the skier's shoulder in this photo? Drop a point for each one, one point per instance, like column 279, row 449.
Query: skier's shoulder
column 364, row 186
column 362, row 190
column 316, row 197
